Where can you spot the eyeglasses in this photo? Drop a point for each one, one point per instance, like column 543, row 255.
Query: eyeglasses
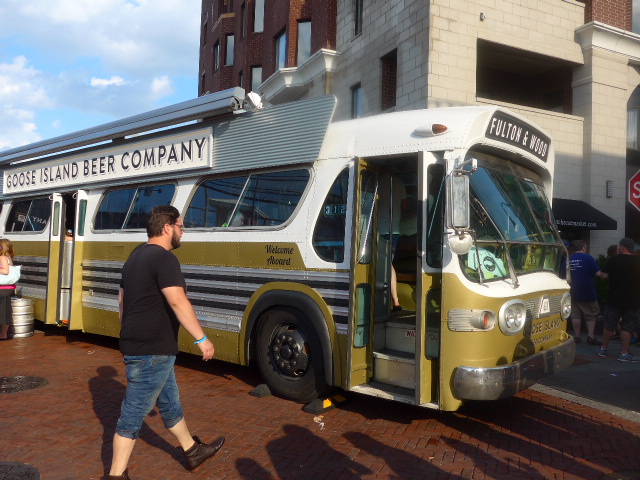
column 179, row 225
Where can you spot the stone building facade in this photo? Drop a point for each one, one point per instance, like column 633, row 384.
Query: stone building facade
column 571, row 66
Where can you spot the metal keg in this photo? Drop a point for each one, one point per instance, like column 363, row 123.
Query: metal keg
column 22, row 321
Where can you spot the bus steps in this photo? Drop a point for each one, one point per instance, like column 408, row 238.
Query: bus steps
column 400, row 334
column 388, row 392
column 394, row 367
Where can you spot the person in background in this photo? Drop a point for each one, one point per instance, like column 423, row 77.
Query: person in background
column 6, row 291
column 612, row 251
column 153, row 306
column 623, row 273
column 584, row 299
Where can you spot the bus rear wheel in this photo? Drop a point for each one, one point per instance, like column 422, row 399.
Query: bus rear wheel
column 290, row 355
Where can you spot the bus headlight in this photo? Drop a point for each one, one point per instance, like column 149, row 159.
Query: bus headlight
column 565, row 306
column 512, row 317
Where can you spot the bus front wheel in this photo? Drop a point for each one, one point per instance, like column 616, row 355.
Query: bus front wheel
column 290, row 355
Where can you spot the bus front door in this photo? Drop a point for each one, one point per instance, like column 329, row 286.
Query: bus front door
column 383, row 338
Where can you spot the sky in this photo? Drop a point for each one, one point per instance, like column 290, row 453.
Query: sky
column 67, row 65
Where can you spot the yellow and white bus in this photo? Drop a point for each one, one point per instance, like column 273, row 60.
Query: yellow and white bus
column 296, row 227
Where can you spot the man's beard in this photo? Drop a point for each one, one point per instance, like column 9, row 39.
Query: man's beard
column 175, row 241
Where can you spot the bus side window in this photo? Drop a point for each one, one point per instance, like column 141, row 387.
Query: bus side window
column 129, row 207
column 270, row 198
column 29, row 215
column 146, row 198
column 213, row 202
column 328, row 235
column 113, row 209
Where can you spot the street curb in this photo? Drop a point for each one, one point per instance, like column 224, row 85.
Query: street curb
column 603, row 407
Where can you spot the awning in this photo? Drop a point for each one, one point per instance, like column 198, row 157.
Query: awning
column 580, row 215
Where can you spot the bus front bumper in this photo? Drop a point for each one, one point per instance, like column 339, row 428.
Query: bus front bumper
column 492, row 383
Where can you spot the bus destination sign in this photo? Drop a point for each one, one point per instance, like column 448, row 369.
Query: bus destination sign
column 508, row 129
column 170, row 154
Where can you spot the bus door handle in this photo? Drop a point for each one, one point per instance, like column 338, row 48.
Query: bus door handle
column 383, row 287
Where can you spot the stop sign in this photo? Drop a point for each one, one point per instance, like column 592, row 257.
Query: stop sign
column 634, row 190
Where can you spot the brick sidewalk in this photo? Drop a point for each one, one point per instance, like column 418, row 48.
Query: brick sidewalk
column 64, row 428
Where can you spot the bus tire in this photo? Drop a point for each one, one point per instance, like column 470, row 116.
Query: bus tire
column 289, row 355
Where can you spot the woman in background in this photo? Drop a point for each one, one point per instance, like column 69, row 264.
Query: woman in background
column 6, row 291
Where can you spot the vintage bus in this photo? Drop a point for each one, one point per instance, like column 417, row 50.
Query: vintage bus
column 298, row 229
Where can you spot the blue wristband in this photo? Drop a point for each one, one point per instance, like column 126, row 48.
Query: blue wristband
column 201, row 340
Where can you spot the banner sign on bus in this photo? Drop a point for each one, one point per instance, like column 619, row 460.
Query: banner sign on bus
column 508, row 129
column 161, row 155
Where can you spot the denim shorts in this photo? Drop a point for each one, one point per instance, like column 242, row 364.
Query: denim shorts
column 151, row 381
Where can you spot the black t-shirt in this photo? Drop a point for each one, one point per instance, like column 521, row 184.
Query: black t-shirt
column 624, row 281
column 149, row 326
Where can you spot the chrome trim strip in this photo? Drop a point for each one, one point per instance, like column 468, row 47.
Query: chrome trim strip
column 492, row 383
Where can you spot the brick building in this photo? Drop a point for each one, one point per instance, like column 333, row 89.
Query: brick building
column 571, row 66
column 285, row 48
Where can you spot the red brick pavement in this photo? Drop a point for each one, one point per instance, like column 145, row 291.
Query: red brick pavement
column 64, row 428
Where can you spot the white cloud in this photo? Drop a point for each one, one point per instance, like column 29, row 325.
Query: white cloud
column 21, row 84
column 16, row 128
column 106, row 82
column 134, row 39
column 101, row 59
column 162, row 86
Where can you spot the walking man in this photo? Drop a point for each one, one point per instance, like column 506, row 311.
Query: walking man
column 623, row 272
column 153, row 305
column 584, row 304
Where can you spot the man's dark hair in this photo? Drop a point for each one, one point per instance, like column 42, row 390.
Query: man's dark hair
column 159, row 217
column 578, row 245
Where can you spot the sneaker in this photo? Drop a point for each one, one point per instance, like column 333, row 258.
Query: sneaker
column 593, row 341
column 627, row 357
column 577, row 339
column 601, row 352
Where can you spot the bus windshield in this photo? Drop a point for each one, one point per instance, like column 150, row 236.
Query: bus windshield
column 513, row 225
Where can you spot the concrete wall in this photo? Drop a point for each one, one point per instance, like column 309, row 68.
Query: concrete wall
column 388, row 24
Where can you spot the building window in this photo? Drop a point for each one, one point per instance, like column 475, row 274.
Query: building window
column 358, row 16
column 356, row 101
column 216, row 57
column 240, row 79
column 635, row 16
column 389, row 66
column 230, row 44
column 202, row 84
column 204, row 34
column 256, row 78
column 281, row 51
column 258, row 16
column 632, row 128
column 243, row 19
column 304, row 41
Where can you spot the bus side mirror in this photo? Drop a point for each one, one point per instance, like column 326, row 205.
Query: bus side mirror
column 459, row 202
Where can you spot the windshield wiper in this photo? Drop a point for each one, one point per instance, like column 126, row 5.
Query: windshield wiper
column 512, row 270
